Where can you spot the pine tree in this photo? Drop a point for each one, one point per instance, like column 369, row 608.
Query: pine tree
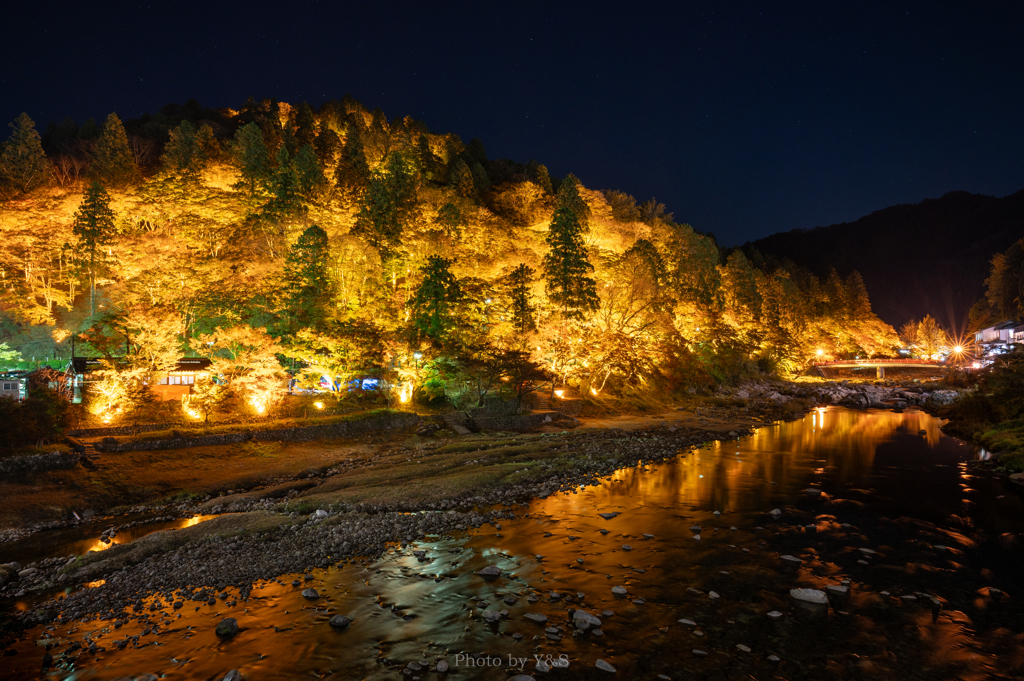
column 566, row 267
column 113, row 162
column 252, row 158
column 569, row 197
column 327, row 144
column 451, row 220
column 307, row 277
column 435, row 298
column 184, row 154
column 521, row 298
column 23, row 165
column 94, row 228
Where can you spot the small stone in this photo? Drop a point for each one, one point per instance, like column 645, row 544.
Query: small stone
column 627, row 547
column 340, row 622
column 742, row 648
column 233, row 675
column 311, row 594
column 712, row 594
column 608, row 516
column 442, row 667
column 490, row 572
column 687, row 623
column 604, row 666
column 774, row 615
column 619, row 590
column 492, row 616
column 700, row 653
column 775, row 512
column 536, row 617
column 867, row 552
column 648, row 536
column 639, row 601
column 809, row 596
column 773, row 658
column 790, row 560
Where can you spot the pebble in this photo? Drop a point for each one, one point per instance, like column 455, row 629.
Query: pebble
column 700, row 653
column 619, row 590
column 604, row 666
column 340, row 622
column 233, row 675
column 608, row 516
column 774, row 615
column 311, row 594
column 490, row 572
column 775, row 512
column 809, row 596
column 442, row 667
column 536, row 617
column 687, row 623
column 742, row 648
column 627, row 547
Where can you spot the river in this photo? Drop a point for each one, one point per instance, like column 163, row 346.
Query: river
column 878, row 501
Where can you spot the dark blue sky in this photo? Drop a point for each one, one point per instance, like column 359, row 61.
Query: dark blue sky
column 744, row 120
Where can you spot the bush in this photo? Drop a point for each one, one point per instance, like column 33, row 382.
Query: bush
column 44, row 415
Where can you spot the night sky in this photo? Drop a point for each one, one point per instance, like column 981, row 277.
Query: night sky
column 744, row 120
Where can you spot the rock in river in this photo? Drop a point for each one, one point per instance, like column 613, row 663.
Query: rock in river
column 490, row 572
column 311, row 594
column 604, row 666
column 228, row 627
column 340, row 622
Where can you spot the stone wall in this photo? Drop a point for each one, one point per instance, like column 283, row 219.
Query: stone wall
column 12, row 466
column 390, row 421
column 513, row 421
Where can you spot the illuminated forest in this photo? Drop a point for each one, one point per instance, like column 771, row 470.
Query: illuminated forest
column 282, row 242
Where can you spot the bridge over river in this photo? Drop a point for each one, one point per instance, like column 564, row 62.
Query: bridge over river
column 879, row 364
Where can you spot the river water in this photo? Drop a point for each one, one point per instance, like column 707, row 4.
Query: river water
column 927, row 546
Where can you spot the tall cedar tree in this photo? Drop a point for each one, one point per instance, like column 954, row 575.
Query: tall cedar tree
column 353, row 173
column 387, row 206
column 327, row 144
column 304, row 124
column 94, row 228
column 538, row 173
column 435, row 299
column 566, row 267
column 186, row 154
column 307, row 277
column 569, row 197
column 311, row 180
column 23, row 165
column 252, row 158
column 461, row 178
column 284, row 185
column 520, row 298
column 451, row 220
column 113, row 163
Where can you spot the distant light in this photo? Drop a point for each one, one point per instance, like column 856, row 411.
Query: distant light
column 958, row 349
column 487, row 300
column 820, row 352
column 559, row 394
column 318, row 405
column 417, row 355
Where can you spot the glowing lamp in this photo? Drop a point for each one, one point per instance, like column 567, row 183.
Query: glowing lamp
column 820, row 352
column 318, row 405
column 559, row 394
column 958, row 349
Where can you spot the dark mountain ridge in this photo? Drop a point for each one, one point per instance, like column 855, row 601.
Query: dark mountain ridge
column 930, row 257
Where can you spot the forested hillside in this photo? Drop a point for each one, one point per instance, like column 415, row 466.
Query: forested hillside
column 928, row 258
column 338, row 242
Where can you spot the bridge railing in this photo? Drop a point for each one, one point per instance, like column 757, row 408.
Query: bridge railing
column 876, row 362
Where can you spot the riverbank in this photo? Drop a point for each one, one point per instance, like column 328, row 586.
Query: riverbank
column 700, row 552
column 359, row 498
